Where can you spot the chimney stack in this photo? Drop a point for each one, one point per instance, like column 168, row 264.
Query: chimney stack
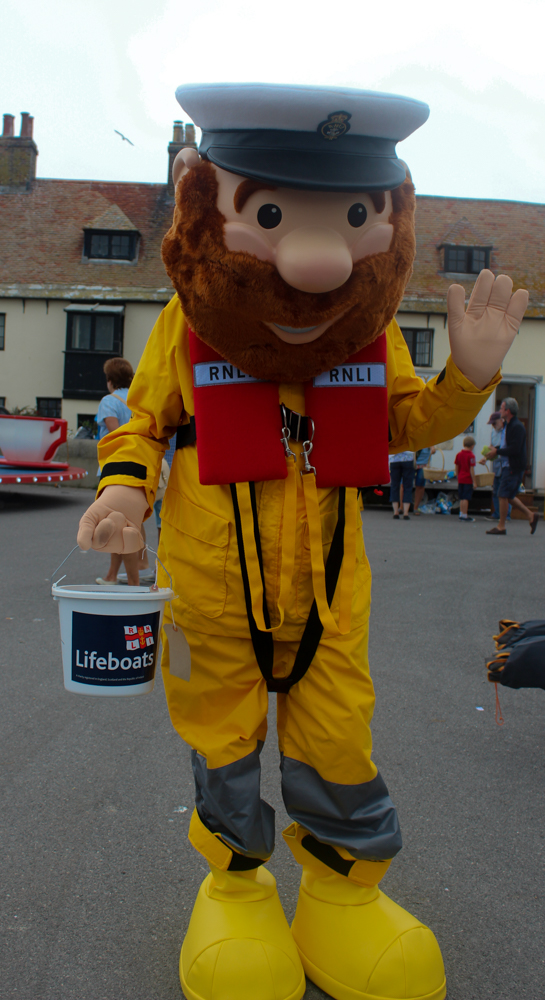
column 190, row 136
column 27, row 122
column 178, row 133
column 181, row 138
column 18, row 154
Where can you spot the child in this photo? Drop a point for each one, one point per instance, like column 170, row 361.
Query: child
column 465, row 464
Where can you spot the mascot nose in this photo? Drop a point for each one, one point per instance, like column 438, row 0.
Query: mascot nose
column 314, row 259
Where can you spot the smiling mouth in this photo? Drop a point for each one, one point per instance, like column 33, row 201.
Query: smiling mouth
column 295, row 329
column 302, row 334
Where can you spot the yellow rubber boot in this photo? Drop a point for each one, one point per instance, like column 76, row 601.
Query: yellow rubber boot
column 357, row 944
column 238, row 944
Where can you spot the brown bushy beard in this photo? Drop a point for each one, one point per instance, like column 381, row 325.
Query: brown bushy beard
column 228, row 296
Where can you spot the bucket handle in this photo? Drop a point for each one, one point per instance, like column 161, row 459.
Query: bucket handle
column 154, row 586
column 62, row 564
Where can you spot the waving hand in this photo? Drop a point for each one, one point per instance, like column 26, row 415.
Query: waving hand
column 481, row 336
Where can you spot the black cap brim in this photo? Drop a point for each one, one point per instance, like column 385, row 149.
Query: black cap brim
column 305, row 160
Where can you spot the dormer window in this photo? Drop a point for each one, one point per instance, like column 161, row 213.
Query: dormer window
column 111, row 236
column 109, row 245
column 466, row 260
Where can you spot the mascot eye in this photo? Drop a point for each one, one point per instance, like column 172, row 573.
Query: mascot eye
column 269, row 216
column 357, row 214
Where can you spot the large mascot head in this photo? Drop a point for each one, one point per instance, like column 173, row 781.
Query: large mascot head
column 293, row 234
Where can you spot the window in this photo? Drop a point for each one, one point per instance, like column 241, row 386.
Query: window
column 466, row 260
column 109, row 245
column 420, row 344
column 88, row 420
column 91, row 338
column 2, row 331
column 93, row 332
column 47, row 406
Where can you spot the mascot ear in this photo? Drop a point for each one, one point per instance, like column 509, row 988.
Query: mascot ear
column 402, row 162
column 185, row 160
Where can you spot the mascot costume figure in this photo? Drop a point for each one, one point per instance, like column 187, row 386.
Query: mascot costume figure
column 281, row 368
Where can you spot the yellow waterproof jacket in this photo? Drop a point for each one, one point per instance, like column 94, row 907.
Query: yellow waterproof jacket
column 198, row 541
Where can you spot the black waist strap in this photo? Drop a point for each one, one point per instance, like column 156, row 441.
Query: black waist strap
column 186, row 434
column 263, row 642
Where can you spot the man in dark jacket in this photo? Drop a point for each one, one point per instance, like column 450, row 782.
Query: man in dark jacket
column 512, row 452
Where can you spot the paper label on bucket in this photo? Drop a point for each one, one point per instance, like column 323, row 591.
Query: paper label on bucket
column 114, row 650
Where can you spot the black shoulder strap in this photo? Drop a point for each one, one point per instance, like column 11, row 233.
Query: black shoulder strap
column 261, row 641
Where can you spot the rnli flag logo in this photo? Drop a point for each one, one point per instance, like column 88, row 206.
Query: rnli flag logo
column 138, row 636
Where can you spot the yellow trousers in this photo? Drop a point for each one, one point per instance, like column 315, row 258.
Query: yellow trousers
column 330, row 785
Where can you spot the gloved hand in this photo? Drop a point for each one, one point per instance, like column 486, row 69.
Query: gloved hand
column 481, row 336
column 112, row 523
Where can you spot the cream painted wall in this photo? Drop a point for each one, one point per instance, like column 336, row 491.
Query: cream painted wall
column 140, row 318
column 32, row 362
column 526, row 356
column 71, row 408
column 527, row 353
column 436, row 323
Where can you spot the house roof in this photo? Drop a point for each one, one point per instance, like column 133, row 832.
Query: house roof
column 514, row 230
column 112, row 218
column 463, row 234
column 41, row 243
column 41, row 240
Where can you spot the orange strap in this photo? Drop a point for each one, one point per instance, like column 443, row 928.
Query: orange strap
column 499, row 716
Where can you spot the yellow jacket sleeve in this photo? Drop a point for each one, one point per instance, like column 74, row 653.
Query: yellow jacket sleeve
column 132, row 454
column 425, row 413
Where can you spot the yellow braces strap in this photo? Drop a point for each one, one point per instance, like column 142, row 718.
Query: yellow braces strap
column 208, row 844
column 364, row 873
column 317, row 557
column 351, row 515
column 288, row 548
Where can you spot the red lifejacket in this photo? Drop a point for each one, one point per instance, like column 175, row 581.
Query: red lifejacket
column 238, row 420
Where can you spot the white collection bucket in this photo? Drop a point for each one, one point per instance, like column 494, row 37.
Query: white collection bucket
column 110, row 637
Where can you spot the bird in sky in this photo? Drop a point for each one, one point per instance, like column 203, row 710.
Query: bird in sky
column 124, row 137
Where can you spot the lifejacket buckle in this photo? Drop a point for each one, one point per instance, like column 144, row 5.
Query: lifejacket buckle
column 307, row 448
column 286, row 435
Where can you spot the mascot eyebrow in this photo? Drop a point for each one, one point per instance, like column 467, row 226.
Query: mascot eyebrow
column 249, row 186
column 246, row 188
column 379, row 201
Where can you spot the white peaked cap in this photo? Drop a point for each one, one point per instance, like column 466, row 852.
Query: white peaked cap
column 322, row 138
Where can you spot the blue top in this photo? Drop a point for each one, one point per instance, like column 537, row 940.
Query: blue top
column 495, row 441
column 171, row 451
column 112, row 406
column 504, row 458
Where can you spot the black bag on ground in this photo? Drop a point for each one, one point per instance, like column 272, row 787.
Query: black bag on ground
column 520, row 660
column 512, row 633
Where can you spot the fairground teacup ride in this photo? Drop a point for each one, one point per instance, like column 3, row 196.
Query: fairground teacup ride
column 28, row 445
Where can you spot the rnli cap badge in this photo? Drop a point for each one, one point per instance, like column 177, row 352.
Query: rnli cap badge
column 336, row 124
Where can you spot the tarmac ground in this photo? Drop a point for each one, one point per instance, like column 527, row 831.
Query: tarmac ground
column 97, row 876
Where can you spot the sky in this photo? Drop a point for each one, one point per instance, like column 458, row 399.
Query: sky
column 84, row 68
